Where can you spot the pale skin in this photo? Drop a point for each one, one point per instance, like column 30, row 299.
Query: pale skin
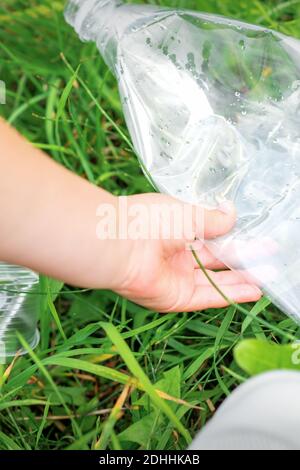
column 48, row 223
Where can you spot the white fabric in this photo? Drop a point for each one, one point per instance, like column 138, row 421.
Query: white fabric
column 263, row 413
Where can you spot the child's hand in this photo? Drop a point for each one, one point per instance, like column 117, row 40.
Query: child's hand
column 163, row 275
column 49, row 222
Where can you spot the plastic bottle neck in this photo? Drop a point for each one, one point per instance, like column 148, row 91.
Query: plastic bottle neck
column 87, row 17
column 104, row 22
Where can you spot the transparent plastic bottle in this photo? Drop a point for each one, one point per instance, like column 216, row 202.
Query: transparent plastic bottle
column 213, row 108
column 19, row 307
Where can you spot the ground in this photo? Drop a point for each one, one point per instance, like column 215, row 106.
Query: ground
column 73, row 390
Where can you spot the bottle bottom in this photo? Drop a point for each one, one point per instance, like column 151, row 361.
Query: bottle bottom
column 8, row 353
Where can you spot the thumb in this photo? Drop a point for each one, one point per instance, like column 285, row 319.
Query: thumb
column 219, row 221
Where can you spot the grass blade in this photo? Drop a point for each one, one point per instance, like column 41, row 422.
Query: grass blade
column 138, row 372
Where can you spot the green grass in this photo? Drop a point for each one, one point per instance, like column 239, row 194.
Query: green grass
column 108, row 373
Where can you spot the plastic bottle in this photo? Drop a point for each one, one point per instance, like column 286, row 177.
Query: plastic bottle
column 213, row 108
column 19, row 307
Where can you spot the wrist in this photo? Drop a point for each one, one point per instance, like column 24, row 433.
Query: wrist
column 112, row 245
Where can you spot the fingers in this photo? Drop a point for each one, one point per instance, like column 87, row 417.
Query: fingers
column 220, row 278
column 219, row 221
column 182, row 220
column 208, row 297
column 208, row 260
column 254, row 276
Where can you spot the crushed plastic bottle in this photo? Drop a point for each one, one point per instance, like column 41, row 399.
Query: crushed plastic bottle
column 19, row 307
column 213, row 108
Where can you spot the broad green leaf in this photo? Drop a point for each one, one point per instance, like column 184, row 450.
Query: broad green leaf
column 81, row 443
column 170, row 384
column 141, row 430
column 255, row 356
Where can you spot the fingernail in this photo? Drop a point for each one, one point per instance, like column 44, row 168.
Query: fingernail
column 225, row 207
